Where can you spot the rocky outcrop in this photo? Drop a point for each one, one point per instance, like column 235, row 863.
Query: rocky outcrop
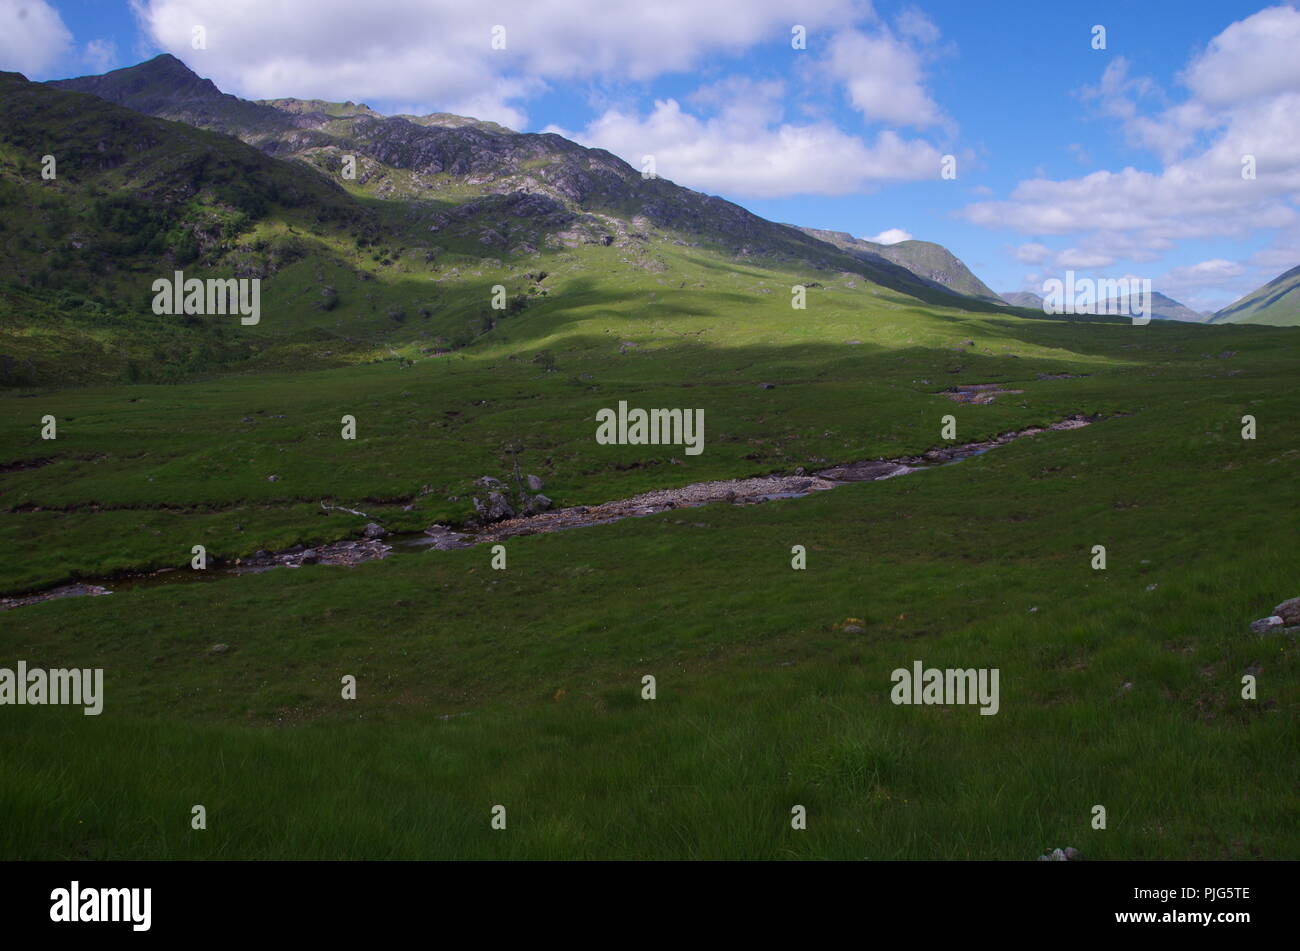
column 1285, row 619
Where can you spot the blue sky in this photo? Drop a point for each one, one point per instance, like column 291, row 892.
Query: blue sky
column 1111, row 162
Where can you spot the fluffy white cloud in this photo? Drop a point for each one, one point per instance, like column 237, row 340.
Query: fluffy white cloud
column 890, row 236
column 1242, row 100
column 915, row 25
column 1252, row 58
column 882, row 76
column 440, row 51
column 1032, row 253
column 745, row 150
column 32, row 36
column 1207, row 272
column 100, row 55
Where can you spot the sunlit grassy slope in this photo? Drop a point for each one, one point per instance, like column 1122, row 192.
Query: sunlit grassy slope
column 522, row 687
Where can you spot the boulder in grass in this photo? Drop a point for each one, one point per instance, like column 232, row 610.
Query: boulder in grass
column 1266, row 624
column 1289, row 612
column 495, row 509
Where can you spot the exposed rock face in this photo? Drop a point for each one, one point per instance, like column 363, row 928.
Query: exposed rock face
column 534, row 483
column 374, row 530
column 566, row 193
column 495, row 509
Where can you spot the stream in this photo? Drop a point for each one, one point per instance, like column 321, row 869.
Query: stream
column 350, row 552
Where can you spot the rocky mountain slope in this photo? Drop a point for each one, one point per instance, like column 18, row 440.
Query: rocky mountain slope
column 483, row 179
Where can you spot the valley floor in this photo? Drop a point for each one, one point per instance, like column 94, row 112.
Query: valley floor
column 1120, row 687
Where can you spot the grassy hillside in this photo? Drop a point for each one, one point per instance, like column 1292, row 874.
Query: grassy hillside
column 930, row 261
column 521, row 687
column 1276, row 304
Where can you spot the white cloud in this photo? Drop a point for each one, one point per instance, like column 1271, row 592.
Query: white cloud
column 1079, row 258
column 890, row 236
column 1252, row 58
column 1206, row 272
column 745, row 150
column 1230, row 110
column 32, row 36
column 100, row 55
column 439, row 51
column 882, row 76
column 915, row 25
column 1080, row 153
column 1032, row 253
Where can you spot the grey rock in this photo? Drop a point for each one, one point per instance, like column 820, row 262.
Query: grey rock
column 1289, row 611
column 534, row 483
column 495, row 509
column 273, row 478
column 1068, row 854
column 309, row 557
column 218, row 648
column 444, row 539
column 539, row 503
column 374, row 530
column 862, row 471
column 767, row 386
column 1266, row 624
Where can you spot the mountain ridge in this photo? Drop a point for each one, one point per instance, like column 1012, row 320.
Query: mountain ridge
column 928, row 260
column 1276, row 303
column 441, row 157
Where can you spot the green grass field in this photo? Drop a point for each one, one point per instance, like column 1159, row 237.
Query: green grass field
column 522, row 687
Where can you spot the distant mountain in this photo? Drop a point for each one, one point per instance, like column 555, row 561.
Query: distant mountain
column 478, row 179
column 1022, row 299
column 1162, row 307
column 929, row 261
column 1276, row 303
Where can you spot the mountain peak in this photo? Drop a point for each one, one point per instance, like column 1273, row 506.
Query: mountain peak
column 166, row 87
